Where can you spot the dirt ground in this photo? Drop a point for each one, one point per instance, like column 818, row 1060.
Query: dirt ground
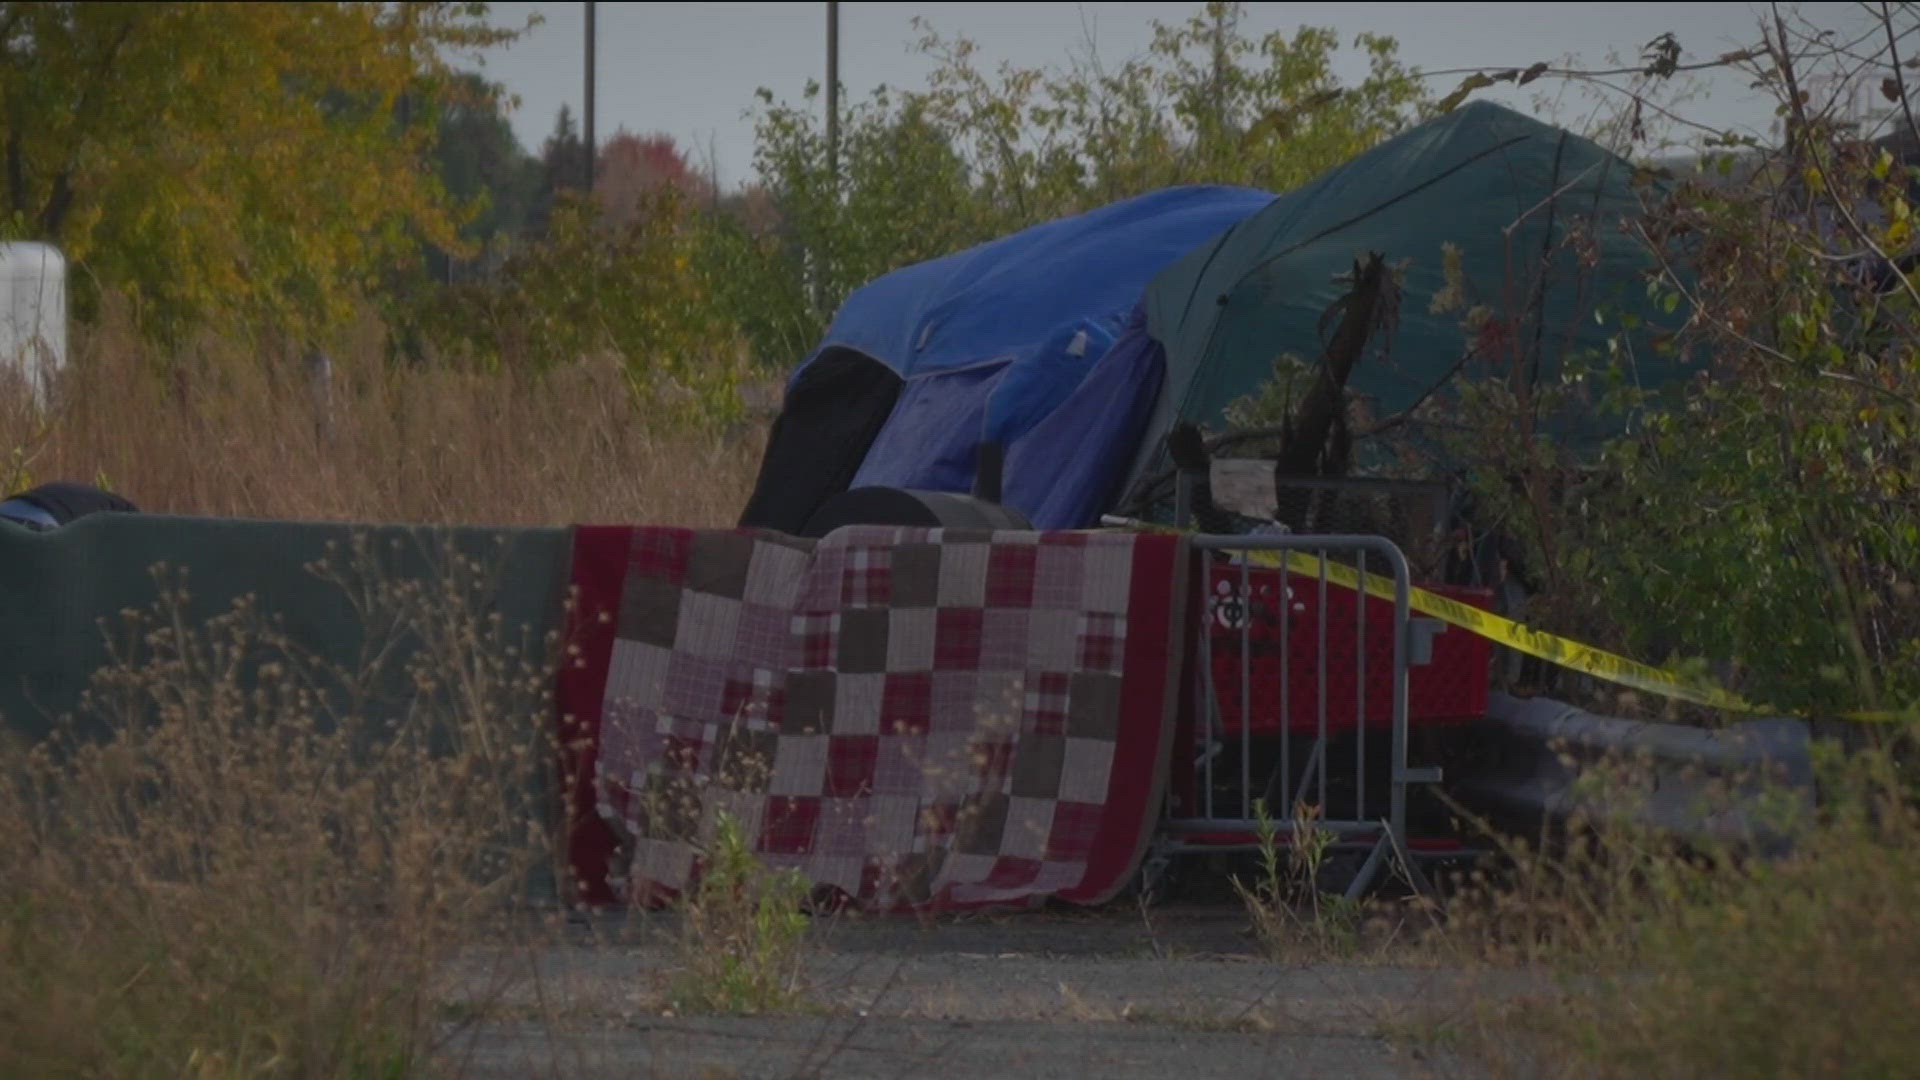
column 1177, row 992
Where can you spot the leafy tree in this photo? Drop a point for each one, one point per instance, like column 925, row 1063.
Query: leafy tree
column 563, row 162
column 631, row 167
column 976, row 156
column 905, row 195
column 628, row 274
column 634, row 292
column 746, row 252
column 242, row 161
column 1782, row 503
column 1769, row 523
column 480, row 162
column 1204, row 105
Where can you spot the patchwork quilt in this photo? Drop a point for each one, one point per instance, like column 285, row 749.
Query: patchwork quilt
column 908, row 717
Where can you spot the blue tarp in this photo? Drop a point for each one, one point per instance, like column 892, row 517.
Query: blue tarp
column 992, row 342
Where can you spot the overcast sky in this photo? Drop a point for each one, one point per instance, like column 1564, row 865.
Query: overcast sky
column 690, row 70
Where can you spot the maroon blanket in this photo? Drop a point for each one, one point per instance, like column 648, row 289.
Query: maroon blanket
column 909, row 717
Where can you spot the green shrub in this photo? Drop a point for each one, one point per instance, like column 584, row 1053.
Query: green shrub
column 743, row 932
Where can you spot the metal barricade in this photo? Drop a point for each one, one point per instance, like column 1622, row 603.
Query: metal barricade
column 1292, row 708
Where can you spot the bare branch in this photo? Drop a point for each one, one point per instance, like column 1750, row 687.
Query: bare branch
column 1855, row 380
column 1899, row 80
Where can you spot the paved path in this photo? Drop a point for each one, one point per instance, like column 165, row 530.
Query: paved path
column 834, row 1047
column 1028, row 995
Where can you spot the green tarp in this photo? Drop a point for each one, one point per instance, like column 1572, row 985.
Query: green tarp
column 1541, row 218
column 63, row 590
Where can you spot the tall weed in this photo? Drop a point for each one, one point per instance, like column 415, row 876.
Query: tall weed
column 239, row 861
column 227, row 429
column 1708, row 959
column 742, row 933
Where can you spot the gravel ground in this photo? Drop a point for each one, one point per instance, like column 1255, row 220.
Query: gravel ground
column 1037, row 994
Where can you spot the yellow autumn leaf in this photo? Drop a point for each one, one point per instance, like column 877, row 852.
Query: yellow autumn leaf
column 241, row 160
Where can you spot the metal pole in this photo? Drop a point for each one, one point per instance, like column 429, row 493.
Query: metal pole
column 1218, row 85
column 819, row 267
column 591, row 146
column 833, row 97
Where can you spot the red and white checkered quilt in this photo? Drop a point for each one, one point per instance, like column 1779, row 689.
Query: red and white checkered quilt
column 909, row 717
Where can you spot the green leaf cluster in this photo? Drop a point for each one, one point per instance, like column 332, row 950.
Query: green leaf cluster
column 222, row 163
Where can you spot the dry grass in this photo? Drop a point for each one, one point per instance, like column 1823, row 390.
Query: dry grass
column 1293, row 917
column 233, row 885
column 238, row 860
column 225, row 430
column 243, row 862
column 1693, row 961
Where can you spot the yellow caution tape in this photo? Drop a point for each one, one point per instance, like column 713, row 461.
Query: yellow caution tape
column 1586, row 659
column 1558, row 650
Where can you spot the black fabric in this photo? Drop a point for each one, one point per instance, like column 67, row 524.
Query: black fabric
column 830, row 417
column 68, row 502
column 925, row 509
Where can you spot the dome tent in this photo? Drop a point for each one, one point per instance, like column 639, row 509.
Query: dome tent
column 1078, row 344
column 1540, row 219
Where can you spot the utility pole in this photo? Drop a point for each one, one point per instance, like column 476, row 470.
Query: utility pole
column 592, row 149
column 1219, row 87
column 833, row 96
column 819, row 267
